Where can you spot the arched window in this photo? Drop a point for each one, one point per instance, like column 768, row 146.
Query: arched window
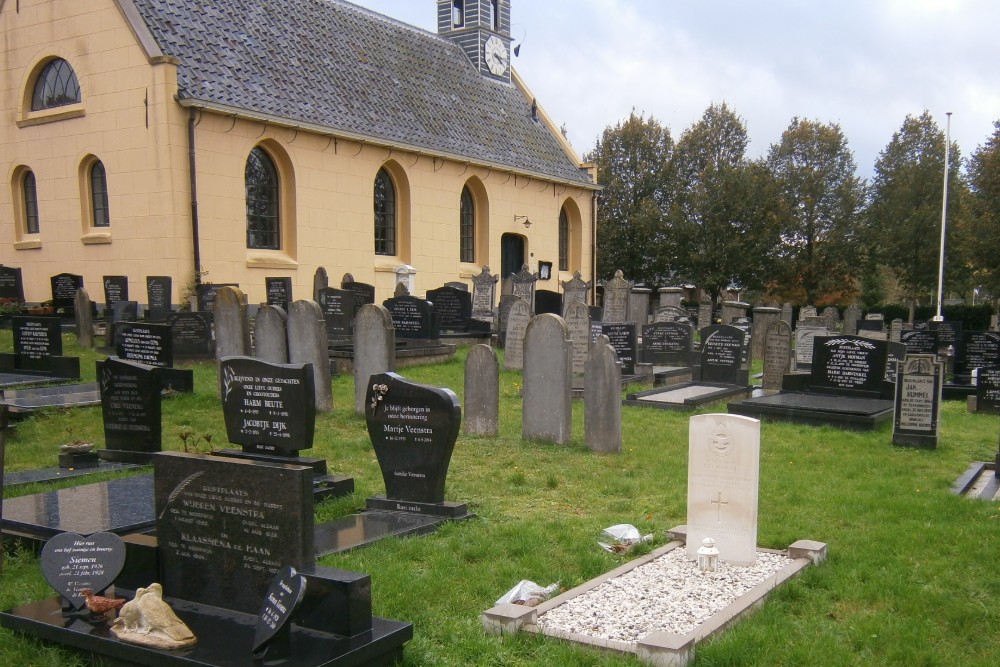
column 98, row 178
column 385, row 214
column 30, row 198
column 467, row 227
column 55, row 86
column 263, row 220
column 563, row 240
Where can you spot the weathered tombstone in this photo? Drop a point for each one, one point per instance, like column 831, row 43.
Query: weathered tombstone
column 919, row 341
column 307, row 344
column 364, row 293
column 518, row 318
column 11, row 284
column 638, row 305
column 895, row 330
column 850, row 363
column 831, row 318
column 786, row 313
column 483, row 295
column 804, row 345
column 623, row 338
column 616, row 294
column 988, row 390
column 777, row 354
column 852, row 314
column 209, row 292
column 270, row 342
column 232, row 326
column 704, row 314
column 482, row 391
column 667, row 343
column 338, row 311
column 763, row 317
column 83, row 313
column 130, row 404
column 72, row 563
column 547, row 410
column 453, row 307
column 115, row 290
column 413, row 318
column 721, row 355
column 374, row 349
column 916, row 422
column 401, row 289
column 873, row 329
column 547, row 301
column 64, row 287
column 734, row 310
column 523, row 285
column 723, row 479
column 578, row 326
column 158, row 290
column 192, row 334
column 806, row 311
column 279, row 292
column 670, row 296
column 575, row 290
column 670, row 314
column 321, row 280
column 602, row 413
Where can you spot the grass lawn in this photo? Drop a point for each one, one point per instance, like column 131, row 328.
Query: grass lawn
column 913, row 576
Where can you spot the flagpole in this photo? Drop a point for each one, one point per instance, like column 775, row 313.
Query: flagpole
column 944, row 221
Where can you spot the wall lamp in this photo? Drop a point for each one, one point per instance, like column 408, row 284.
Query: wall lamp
column 527, row 223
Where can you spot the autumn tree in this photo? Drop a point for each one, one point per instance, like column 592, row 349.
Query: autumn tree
column 984, row 182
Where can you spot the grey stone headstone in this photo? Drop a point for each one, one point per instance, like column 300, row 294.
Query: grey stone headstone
column 616, row 297
column 917, row 406
column 374, row 349
column 670, row 296
column 307, row 344
column 346, row 279
column 271, row 335
column 804, row 344
column 777, row 354
column 523, row 285
column 232, row 326
column 575, row 290
column 851, row 316
column 578, row 324
column 518, row 318
column 831, row 318
column 638, row 305
column 733, row 310
column 670, row 314
column 807, row 311
column 506, row 301
column 895, row 329
column 482, row 391
column 704, row 314
column 484, row 288
column 547, row 409
column 320, row 281
column 763, row 317
column 602, row 413
column 401, row 290
column 786, row 313
column 84, row 318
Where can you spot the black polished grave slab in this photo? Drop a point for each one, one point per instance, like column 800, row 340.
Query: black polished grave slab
column 667, row 343
column 809, row 408
column 21, row 402
column 11, row 284
column 24, row 380
column 919, row 341
column 279, row 292
column 722, row 351
column 22, row 477
column 64, row 287
column 153, row 344
column 338, row 307
column 131, row 408
column 361, row 530
column 453, row 306
column 687, row 396
column 115, row 290
column 622, row 337
column 192, row 335
column 988, row 390
column 72, row 563
column 120, row 506
column 158, row 290
column 413, row 317
column 38, row 349
column 849, row 365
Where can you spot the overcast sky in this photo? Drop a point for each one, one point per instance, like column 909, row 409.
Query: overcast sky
column 864, row 64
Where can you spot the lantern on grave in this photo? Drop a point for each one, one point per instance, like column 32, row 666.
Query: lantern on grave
column 708, row 556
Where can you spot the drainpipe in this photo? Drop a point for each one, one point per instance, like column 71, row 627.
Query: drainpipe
column 593, row 247
column 194, row 197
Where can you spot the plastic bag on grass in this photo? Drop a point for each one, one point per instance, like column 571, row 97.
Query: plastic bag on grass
column 528, row 593
column 621, row 538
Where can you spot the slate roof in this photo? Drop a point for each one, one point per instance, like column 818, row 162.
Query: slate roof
column 344, row 68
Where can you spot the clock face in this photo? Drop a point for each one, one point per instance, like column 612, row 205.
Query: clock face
column 496, row 55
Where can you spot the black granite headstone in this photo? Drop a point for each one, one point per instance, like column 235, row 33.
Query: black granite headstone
column 268, row 408
column 71, row 563
column 36, row 340
column 279, row 292
column 130, row 404
column 158, row 290
column 988, row 390
column 192, row 334
column 622, row 337
column 919, row 341
column 895, row 353
column 150, row 344
column 281, row 602
column 64, row 287
column 949, row 334
column 115, row 290
column 125, row 311
column 722, row 348
column 979, row 349
column 667, row 343
column 11, row 284
column 871, row 325
column 413, row 318
column 453, row 306
column 207, row 293
column 363, row 293
column 547, row 301
column 849, row 364
column 338, row 311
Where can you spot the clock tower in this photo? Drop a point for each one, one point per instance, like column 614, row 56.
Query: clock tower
column 482, row 29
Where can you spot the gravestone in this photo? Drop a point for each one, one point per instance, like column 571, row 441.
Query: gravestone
column 270, row 342
column 338, row 311
column 401, row 289
column 413, row 318
column 279, row 292
column 988, row 390
column 321, row 280
column 506, row 301
column 453, row 307
column 232, row 326
column 575, row 290
column 849, row 364
column 11, row 284
column 895, row 330
column 208, row 293
column 518, row 318
column 158, row 291
column 130, row 405
column 806, row 311
column 917, row 408
column 723, row 479
column 777, row 355
column 895, row 353
column 363, row 292
column 457, row 284
column 577, row 320
column 622, row 337
column 638, row 305
column 482, row 392
column 282, row 602
column 72, row 563
column 763, row 317
column 413, row 428
column 786, row 313
column 226, row 526
column 115, row 290
column 616, row 296
column 979, row 349
column 733, row 311
column 667, row 343
column 670, row 296
column 804, row 344
column 192, row 334
column 483, row 295
column 523, row 285
column 831, row 318
column 602, row 413
column 374, row 349
column 150, row 344
column 307, row 344
column 547, row 301
column 38, row 349
column 670, row 314
column 64, row 287
column 722, row 354
column 949, row 334
column 84, row 315
column 920, row 341
column 852, row 314
column 704, row 314
column 547, row 411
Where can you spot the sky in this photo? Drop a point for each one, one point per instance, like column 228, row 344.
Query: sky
column 863, row 64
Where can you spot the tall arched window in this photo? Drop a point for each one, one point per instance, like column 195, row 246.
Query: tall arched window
column 467, row 227
column 30, row 198
column 563, row 240
column 55, row 86
column 385, row 214
column 263, row 220
column 494, row 17
column 98, row 178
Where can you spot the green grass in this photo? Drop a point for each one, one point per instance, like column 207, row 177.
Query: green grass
column 912, row 577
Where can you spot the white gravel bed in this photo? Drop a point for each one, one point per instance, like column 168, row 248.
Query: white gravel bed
column 668, row 593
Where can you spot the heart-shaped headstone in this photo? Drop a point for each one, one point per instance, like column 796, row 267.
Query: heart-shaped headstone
column 282, row 599
column 72, row 562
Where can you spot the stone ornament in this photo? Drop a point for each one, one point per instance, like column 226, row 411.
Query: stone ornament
column 149, row 621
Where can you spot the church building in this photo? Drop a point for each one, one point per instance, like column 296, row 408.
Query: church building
column 235, row 140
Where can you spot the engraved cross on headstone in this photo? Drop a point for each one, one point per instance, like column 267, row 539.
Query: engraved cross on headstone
column 719, row 502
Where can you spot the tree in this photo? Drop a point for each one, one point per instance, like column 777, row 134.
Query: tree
column 905, row 209
column 723, row 219
column 822, row 251
column 984, row 181
column 632, row 161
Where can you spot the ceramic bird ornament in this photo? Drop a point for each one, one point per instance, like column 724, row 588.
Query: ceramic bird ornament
column 150, row 621
column 99, row 604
